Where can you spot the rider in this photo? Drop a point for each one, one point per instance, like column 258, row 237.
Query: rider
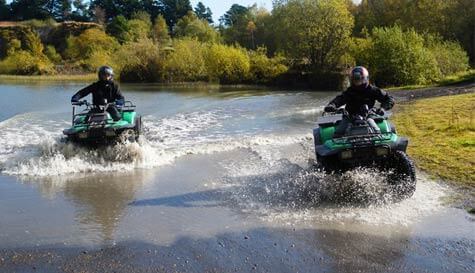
column 104, row 91
column 356, row 96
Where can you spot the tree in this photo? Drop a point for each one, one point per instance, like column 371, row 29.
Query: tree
column 204, row 12
column 113, row 8
column 80, row 12
column 235, row 14
column 314, row 32
column 29, row 9
column 191, row 26
column 119, row 28
column 4, row 10
column 173, row 10
column 160, row 31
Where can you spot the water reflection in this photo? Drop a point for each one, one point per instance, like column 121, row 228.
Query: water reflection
column 100, row 200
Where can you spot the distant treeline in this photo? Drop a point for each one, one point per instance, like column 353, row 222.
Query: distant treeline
column 402, row 42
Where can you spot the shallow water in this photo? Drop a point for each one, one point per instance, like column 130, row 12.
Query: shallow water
column 211, row 163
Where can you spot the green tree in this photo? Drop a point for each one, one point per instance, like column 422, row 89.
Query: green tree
column 173, row 10
column 4, row 10
column 29, row 9
column 80, row 12
column 138, row 30
column 91, row 48
column 314, row 32
column 204, row 12
column 191, row 26
column 400, row 57
column 160, row 31
column 119, row 28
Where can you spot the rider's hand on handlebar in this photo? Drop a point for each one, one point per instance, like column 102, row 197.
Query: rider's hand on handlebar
column 379, row 111
column 330, row 108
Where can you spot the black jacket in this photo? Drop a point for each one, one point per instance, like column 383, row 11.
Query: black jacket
column 100, row 90
column 355, row 98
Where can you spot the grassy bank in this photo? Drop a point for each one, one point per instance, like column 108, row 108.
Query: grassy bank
column 459, row 78
column 85, row 77
column 442, row 135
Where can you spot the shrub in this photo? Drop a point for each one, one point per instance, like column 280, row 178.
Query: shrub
column 139, row 61
column 186, row 62
column 264, row 69
column 450, row 56
column 228, row 64
column 23, row 62
column 119, row 28
column 90, row 48
column 138, row 29
column 192, row 26
column 19, row 37
column 399, row 57
column 51, row 53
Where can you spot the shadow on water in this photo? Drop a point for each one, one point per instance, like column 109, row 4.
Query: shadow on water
column 259, row 250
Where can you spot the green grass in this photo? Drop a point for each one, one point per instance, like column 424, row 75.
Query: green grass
column 85, row 77
column 463, row 77
column 441, row 135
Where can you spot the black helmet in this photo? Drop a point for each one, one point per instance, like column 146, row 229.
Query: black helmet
column 105, row 71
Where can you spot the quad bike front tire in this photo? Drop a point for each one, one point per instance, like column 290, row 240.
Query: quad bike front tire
column 403, row 177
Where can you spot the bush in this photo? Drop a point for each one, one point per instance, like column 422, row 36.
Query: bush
column 139, row 61
column 450, row 56
column 25, row 63
column 138, row 30
column 186, row 62
column 19, row 38
column 91, row 48
column 228, row 64
column 264, row 69
column 192, row 26
column 51, row 53
column 399, row 58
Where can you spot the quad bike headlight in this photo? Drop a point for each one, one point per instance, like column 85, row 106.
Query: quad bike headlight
column 346, row 154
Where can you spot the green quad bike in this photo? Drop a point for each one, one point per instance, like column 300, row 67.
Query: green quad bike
column 93, row 126
column 363, row 146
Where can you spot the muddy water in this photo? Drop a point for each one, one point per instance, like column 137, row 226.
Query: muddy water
column 219, row 182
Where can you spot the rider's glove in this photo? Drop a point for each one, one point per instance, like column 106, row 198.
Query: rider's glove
column 330, row 108
column 379, row 111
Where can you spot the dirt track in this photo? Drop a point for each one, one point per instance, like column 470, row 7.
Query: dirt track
column 407, row 95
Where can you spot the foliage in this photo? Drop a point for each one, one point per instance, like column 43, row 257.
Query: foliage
column 399, row 57
column 228, row 64
column 448, row 124
column 119, row 28
column 24, row 62
column 204, row 12
column 450, row 56
column 51, row 53
column 138, row 30
column 186, row 62
column 264, row 69
column 315, row 31
column 92, row 48
column 138, row 61
column 19, row 37
column 160, row 31
column 4, row 10
column 173, row 10
column 191, row 26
